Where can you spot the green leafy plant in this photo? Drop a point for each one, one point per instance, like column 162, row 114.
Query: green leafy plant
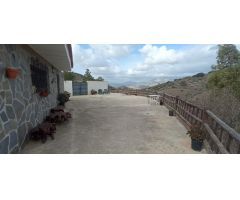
column 62, row 98
column 196, row 133
column 67, row 95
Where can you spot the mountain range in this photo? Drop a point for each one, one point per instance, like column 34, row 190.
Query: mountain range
column 142, row 84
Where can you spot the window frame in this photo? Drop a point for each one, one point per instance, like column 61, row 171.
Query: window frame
column 39, row 75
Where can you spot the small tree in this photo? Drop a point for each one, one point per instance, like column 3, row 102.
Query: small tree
column 226, row 78
column 228, row 56
column 69, row 76
column 87, row 76
column 100, row 78
column 224, row 95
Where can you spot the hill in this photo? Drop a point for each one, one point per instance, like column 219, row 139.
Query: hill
column 73, row 76
column 192, row 88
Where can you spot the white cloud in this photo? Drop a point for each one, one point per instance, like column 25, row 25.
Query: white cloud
column 152, row 61
column 160, row 55
column 161, row 61
column 111, row 51
column 99, row 55
column 102, row 60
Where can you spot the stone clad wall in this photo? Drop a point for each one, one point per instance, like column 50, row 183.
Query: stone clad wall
column 21, row 108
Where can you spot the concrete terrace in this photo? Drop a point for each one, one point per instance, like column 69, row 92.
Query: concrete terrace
column 116, row 123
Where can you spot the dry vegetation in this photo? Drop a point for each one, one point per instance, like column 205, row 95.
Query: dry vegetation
column 194, row 89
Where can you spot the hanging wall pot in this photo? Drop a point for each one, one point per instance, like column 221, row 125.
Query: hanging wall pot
column 44, row 93
column 12, row 72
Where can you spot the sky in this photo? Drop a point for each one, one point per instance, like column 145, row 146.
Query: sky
column 143, row 62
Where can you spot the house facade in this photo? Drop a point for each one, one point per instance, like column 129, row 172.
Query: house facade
column 76, row 88
column 39, row 69
column 97, row 85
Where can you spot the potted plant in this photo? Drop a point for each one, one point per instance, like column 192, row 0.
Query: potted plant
column 197, row 137
column 12, row 72
column 67, row 95
column 161, row 102
column 43, row 93
column 100, row 91
column 171, row 112
column 93, row 92
column 62, row 98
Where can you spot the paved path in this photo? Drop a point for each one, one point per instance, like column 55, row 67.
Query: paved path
column 116, row 123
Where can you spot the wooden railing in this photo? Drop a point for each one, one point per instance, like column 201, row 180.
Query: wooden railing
column 187, row 112
column 223, row 138
column 132, row 92
column 220, row 137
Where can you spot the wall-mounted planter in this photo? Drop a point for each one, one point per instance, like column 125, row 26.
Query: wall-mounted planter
column 44, row 93
column 161, row 102
column 12, row 72
column 171, row 113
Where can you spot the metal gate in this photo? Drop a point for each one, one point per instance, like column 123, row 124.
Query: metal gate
column 79, row 88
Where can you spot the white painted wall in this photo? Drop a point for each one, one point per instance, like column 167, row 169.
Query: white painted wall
column 96, row 85
column 68, row 87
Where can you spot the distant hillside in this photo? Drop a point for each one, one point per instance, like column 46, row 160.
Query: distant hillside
column 111, row 87
column 123, row 84
column 78, row 77
column 144, row 83
column 191, row 88
column 194, row 89
column 122, row 88
column 73, row 76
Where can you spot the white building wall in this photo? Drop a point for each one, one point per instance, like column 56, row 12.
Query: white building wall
column 96, row 85
column 68, row 87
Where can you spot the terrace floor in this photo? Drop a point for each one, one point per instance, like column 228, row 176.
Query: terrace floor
column 116, row 123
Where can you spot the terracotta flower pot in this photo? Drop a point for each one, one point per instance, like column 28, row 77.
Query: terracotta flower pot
column 43, row 93
column 12, row 73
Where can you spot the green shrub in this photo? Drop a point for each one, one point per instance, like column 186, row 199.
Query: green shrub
column 93, row 92
column 68, row 94
column 63, row 98
column 226, row 78
column 100, row 91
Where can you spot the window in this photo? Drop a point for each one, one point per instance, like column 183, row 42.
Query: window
column 39, row 75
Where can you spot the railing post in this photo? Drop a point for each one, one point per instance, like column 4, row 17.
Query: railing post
column 204, row 115
column 176, row 102
column 163, row 96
